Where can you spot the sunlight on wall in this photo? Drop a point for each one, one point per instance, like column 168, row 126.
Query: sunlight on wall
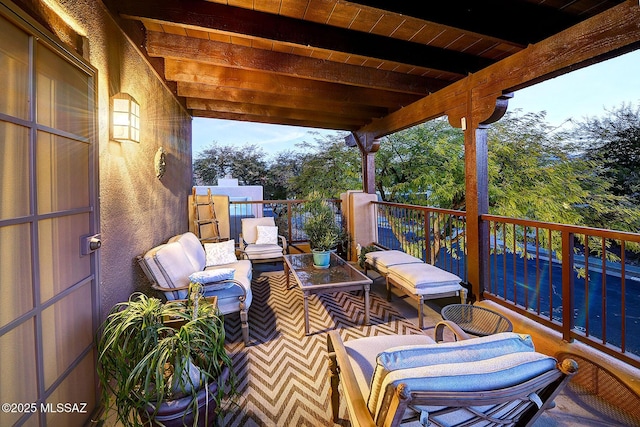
column 59, row 12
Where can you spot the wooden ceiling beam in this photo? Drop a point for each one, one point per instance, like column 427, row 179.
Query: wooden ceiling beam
column 517, row 22
column 248, row 58
column 354, row 119
column 190, row 72
column 311, row 122
column 598, row 38
column 204, row 15
column 199, row 90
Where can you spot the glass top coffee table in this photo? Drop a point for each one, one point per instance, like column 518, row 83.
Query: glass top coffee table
column 338, row 277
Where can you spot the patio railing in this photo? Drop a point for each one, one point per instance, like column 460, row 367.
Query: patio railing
column 583, row 282
column 403, row 227
column 286, row 213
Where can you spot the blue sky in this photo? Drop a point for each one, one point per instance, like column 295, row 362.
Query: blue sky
column 272, row 138
column 583, row 93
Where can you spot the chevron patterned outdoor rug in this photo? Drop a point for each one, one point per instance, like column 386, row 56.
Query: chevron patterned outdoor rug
column 283, row 377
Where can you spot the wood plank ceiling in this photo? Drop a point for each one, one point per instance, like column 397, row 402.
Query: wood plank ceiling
column 331, row 64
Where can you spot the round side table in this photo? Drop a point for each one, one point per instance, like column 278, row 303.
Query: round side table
column 475, row 320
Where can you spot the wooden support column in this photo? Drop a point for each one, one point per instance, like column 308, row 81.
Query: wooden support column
column 368, row 147
column 477, row 193
column 477, row 203
column 368, row 172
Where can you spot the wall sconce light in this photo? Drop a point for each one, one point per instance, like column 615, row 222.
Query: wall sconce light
column 125, row 118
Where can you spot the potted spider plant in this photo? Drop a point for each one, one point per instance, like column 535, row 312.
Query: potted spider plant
column 321, row 228
column 164, row 363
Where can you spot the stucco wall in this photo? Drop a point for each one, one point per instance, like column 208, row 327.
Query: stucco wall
column 137, row 210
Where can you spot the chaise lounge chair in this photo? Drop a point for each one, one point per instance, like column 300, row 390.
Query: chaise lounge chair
column 415, row 278
column 495, row 380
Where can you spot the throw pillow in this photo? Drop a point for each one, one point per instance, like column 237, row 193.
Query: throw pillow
column 210, row 277
column 220, row 253
column 267, row 235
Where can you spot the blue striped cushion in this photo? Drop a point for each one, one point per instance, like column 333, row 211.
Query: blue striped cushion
column 457, row 352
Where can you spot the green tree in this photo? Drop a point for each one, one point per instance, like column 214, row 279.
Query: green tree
column 283, row 169
column 247, row 163
column 614, row 142
column 539, row 174
column 423, row 165
column 534, row 173
column 329, row 167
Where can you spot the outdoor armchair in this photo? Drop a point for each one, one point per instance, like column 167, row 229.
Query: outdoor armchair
column 390, row 380
column 260, row 241
column 183, row 259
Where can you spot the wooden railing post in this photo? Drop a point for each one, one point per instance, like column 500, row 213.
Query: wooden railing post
column 427, row 236
column 289, row 219
column 567, row 285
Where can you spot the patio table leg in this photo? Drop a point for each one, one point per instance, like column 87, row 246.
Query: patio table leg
column 306, row 312
column 367, row 288
column 287, row 275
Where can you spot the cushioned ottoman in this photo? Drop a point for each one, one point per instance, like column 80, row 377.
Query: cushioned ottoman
column 422, row 282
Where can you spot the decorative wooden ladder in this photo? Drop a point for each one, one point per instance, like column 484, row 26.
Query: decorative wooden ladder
column 204, row 217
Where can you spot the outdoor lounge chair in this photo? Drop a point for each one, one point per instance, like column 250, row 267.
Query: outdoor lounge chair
column 391, row 380
column 415, row 278
column 172, row 266
column 260, row 242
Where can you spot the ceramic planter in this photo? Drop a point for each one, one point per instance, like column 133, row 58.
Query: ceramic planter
column 178, row 413
column 321, row 259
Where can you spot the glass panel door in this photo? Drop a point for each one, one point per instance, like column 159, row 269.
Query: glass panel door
column 48, row 291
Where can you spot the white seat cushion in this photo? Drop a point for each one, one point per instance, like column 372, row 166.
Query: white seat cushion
column 192, row 248
column 175, row 266
column 416, row 276
column 250, row 227
column 154, row 268
column 259, row 251
column 228, row 298
column 363, row 353
column 172, row 263
column 382, row 260
column 497, row 361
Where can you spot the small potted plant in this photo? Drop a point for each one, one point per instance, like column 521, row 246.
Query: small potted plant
column 321, row 228
column 164, row 364
column 363, row 252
